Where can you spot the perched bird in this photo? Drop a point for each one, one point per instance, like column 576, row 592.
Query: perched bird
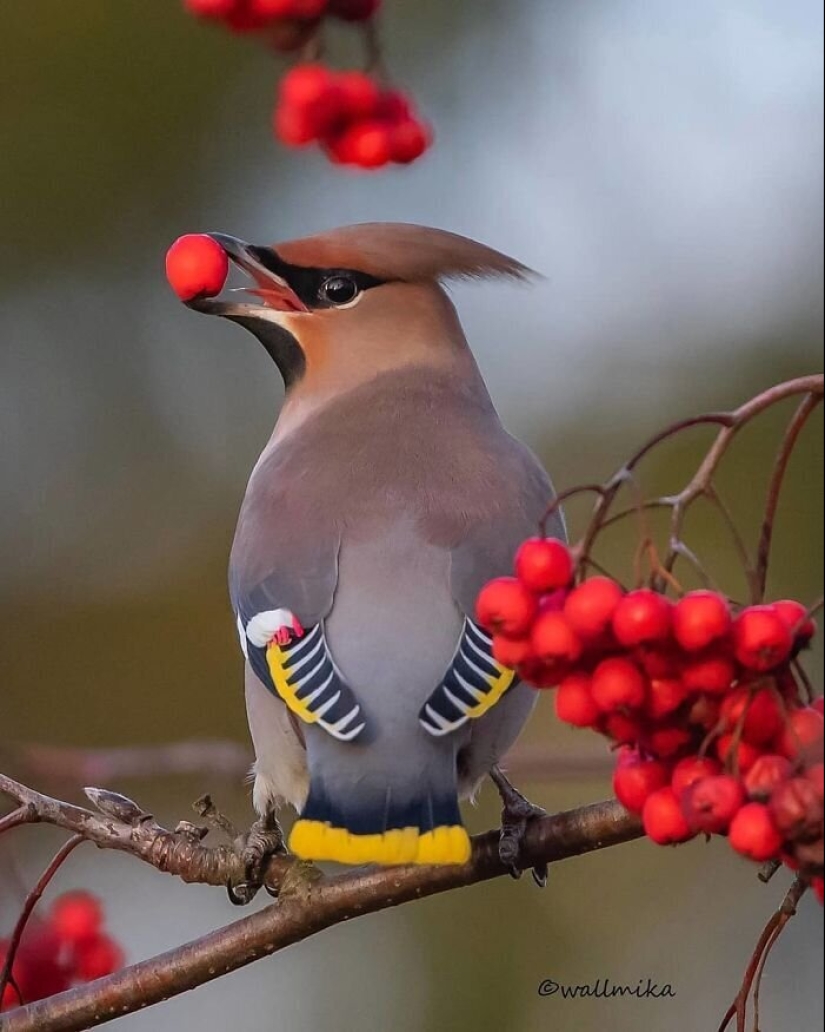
column 388, row 494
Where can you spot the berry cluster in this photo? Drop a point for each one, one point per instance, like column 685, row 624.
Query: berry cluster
column 68, row 946
column 355, row 120
column 264, row 15
column 699, row 698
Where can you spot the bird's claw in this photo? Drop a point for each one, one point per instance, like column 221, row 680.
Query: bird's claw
column 263, row 840
column 517, row 813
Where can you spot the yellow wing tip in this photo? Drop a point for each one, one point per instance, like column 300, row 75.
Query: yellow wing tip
column 315, row 840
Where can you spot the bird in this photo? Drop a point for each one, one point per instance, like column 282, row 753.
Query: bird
column 388, row 494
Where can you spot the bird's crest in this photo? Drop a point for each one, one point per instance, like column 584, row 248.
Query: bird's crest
column 401, row 251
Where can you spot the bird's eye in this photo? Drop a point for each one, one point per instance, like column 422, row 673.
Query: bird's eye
column 338, row 290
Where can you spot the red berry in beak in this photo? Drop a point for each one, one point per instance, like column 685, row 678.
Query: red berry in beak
column 196, row 266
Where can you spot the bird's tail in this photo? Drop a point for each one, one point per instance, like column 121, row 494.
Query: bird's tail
column 390, row 829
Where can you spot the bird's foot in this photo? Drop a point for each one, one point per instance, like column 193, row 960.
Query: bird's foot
column 263, row 841
column 517, row 813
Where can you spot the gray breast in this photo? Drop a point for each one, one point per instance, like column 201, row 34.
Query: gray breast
column 394, row 625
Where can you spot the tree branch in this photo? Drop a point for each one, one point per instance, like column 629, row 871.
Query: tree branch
column 307, row 906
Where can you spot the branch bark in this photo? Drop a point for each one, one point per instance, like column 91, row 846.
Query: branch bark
column 308, row 904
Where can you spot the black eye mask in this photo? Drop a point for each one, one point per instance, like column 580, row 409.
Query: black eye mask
column 309, row 283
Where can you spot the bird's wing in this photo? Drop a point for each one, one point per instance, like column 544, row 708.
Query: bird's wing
column 283, row 575
column 519, row 496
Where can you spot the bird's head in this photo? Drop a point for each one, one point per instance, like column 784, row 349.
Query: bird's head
column 339, row 308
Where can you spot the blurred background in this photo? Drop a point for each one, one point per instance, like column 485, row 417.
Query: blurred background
column 661, row 164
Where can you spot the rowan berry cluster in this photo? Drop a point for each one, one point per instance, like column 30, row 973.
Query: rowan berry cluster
column 698, row 696
column 68, row 946
column 354, row 117
column 356, row 121
column 263, row 15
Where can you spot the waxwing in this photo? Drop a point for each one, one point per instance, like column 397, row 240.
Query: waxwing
column 388, row 494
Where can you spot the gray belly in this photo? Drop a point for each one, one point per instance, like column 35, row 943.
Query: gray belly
column 394, row 626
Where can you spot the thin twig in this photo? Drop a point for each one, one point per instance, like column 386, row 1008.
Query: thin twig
column 739, row 1008
column 783, row 459
column 28, row 908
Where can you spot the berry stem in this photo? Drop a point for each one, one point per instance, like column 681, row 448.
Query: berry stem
column 28, row 908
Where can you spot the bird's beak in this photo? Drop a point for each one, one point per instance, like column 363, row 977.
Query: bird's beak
column 274, row 293
column 272, row 319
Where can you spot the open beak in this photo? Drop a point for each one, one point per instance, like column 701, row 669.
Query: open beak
column 273, row 292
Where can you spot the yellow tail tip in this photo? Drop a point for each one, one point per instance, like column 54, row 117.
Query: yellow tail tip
column 315, row 840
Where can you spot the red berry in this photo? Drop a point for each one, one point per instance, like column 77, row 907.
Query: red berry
column 699, row 619
column 575, row 703
column 544, row 564
column 618, row 684
column 634, row 781
column 666, row 696
column 759, row 714
column 711, row 803
column 395, row 107
column 505, row 606
column 692, row 769
column 796, row 808
column 196, row 266
column 39, row 968
column 795, row 617
column 802, row 733
column 818, row 885
column 98, row 958
column 354, row 10
column 360, row 95
column 668, row 742
column 409, row 139
column 761, row 639
column 541, row 675
column 622, row 728
column 712, row 673
column 311, row 92
column 510, row 651
column 763, row 777
column 642, row 617
column 302, row 10
column 663, row 819
column 753, row 833
column 293, row 127
column 553, row 640
column 77, row 916
column 590, row 607
column 659, row 663
column 739, row 759
column 368, row 143
column 819, row 705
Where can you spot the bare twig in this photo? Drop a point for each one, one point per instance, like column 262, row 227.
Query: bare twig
column 783, row 458
column 753, row 974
